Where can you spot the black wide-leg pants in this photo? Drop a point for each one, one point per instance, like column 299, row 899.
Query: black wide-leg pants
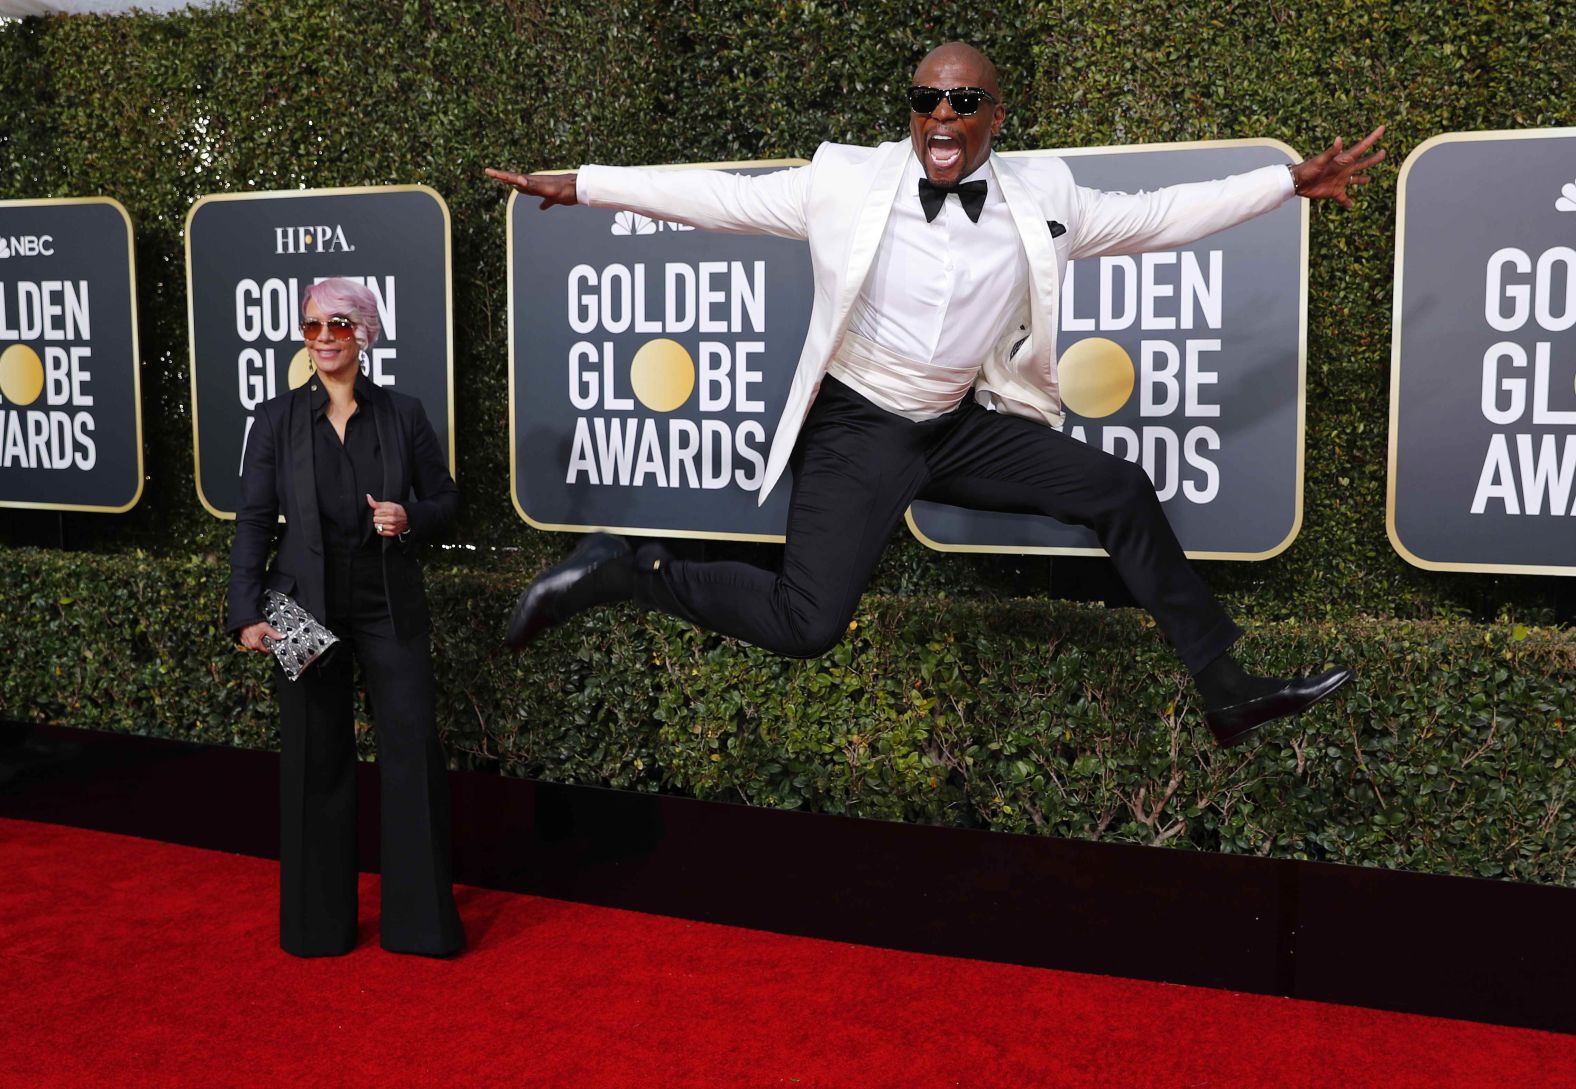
column 856, row 469
column 317, row 787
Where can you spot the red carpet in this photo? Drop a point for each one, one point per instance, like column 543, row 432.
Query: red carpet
column 133, row 963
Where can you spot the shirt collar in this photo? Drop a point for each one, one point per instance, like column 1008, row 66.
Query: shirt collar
column 982, row 174
column 317, row 393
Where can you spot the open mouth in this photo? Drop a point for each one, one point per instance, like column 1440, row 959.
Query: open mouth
column 944, row 150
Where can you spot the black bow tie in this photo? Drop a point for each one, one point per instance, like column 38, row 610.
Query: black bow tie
column 932, row 196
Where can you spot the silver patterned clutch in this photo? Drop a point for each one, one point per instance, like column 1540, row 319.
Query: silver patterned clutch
column 304, row 639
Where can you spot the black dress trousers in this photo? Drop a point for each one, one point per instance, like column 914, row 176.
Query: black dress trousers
column 317, row 848
column 856, row 469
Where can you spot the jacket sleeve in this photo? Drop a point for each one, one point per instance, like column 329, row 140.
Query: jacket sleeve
column 713, row 200
column 437, row 500
column 256, row 525
column 1116, row 223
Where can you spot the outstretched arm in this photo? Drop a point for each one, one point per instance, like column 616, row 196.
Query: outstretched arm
column 552, row 188
column 1328, row 173
column 1116, row 223
column 713, row 200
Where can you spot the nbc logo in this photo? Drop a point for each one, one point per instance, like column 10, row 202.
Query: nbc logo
column 27, row 245
column 635, row 223
column 1567, row 198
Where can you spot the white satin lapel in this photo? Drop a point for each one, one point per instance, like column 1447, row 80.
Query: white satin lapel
column 872, row 224
column 1045, row 281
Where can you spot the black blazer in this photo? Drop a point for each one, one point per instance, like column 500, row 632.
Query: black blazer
column 278, row 478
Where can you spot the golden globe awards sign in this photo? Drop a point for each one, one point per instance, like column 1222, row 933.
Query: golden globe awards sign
column 1483, row 354
column 648, row 364
column 1189, row 362
column 249, row 259
column 70, row 396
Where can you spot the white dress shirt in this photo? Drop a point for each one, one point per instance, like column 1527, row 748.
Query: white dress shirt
column 938, row 297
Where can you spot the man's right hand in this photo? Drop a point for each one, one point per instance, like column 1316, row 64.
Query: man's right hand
column 252, row 635
column 552, row 188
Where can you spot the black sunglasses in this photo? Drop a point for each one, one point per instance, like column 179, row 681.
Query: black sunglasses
column 965, row 101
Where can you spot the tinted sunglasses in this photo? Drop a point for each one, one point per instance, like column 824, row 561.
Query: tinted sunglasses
column 338, row 328
column 965, row 101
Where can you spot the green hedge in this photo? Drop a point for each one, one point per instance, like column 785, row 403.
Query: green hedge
column 1452, row 754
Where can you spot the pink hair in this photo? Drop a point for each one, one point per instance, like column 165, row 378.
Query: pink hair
column 340, row 296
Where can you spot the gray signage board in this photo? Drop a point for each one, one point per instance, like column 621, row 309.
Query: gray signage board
column 648, row 365
column 1188, row 361
column 249, row 258
column 70, row 390
column 1483, row 354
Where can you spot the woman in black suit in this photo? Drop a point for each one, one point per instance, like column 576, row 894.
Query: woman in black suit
column 357, row 472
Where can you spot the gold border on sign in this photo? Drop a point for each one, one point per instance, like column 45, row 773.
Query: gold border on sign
column 514, row 486
column 1395, row 352
column 1302, row 361
column 281, row 194
column 136, row 352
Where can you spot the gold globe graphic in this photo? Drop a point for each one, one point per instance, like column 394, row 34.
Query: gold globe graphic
column 662, row 374
column 1096, row 377
column 300, row 369
column 21, row 375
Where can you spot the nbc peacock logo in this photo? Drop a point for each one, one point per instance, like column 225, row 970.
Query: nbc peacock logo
column 626, row 223
column 27, row 245
column 1566, row 201
column 633, row 223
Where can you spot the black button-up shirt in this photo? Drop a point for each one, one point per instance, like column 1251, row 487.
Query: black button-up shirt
column 347, row 472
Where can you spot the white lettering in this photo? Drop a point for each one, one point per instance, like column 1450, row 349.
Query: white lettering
column 1151, row 377
column 582, row 301
column 1209, row 439
column 1493, row 384
column 1496, row 479
column 680, row 291
column 1109, row 317
column 712, row 297
column 1496, row 292
column 1154, row 290
column 1549, row 472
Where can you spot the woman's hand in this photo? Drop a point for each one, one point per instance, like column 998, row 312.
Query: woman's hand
column 388, row 519
column 252, row 635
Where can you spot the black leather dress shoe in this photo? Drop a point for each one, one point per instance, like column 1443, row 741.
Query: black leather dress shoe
column 582, row 580
column 1235, row 724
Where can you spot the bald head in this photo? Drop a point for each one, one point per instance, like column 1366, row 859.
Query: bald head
column 962, row 54
column 952, row 145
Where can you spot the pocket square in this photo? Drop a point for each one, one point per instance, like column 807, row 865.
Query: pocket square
column 1057, row 230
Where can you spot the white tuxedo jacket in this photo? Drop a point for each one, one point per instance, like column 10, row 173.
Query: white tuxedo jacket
column 839, row 203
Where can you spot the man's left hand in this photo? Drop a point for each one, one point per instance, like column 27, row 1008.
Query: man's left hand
column 1328, row 173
